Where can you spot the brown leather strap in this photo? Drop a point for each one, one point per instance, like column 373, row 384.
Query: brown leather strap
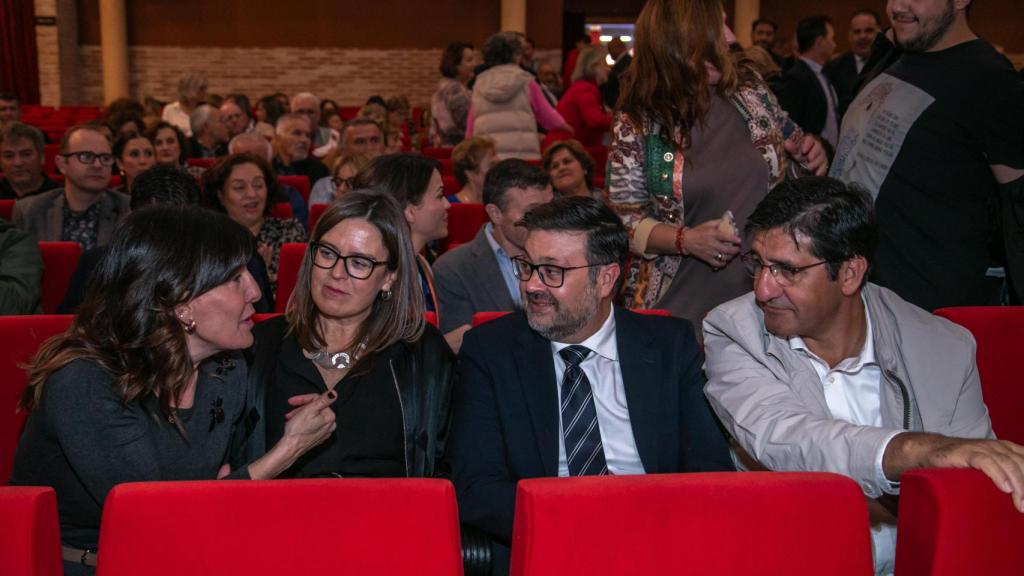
column 78, row 556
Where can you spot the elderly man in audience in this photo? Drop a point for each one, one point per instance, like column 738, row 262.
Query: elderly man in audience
column 234, row 112
column 252, row 143
column 574, row 386
column 291, row 148
column 817, row 369
column 478, row 276
column 21, row 162
column 209, row 134
column 84, row 211
column 364, row 136
column 325, row 139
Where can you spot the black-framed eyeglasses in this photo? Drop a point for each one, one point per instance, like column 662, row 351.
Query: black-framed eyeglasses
column 87, row 157
column 552, row 276
column 358, row 267
column 784, row 274
column 338, row 181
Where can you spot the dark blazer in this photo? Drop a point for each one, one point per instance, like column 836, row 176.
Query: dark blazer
column 468, row 280
column 842, row 72
column 610, row 89
column 505, row 415
column 42, row 215
column 800, row 94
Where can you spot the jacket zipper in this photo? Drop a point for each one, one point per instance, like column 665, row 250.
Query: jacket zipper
column 906, row 397
column 401, row 406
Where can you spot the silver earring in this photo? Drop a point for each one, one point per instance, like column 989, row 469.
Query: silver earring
column 385, row 295
column 190, row 326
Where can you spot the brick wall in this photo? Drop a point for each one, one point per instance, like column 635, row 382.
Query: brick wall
column 346, row 75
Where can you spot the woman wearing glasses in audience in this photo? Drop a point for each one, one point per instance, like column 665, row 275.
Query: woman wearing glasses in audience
column 339, row 183
column 694, row 130
column 354, row 325
column 144, row 385
column 134, row 154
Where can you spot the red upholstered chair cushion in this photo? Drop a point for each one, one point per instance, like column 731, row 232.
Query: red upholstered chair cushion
column 7, row 210
column 59, row 262
column 288, row 266
column 711, row 523
column 447, row 168
column 300, row 183
column 263, row 528
column 29, row 532
column 999, row 332
column 451, row 185
column 281, row 210
column 20, row 337
column 50, row 152
column 202, row 162
column 315, row 212
column 954, row 522
column 464, row 221
column 439, row 153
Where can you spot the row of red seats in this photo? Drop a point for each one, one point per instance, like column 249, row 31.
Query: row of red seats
column 951, row 522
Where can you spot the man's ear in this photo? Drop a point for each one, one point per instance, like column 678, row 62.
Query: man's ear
column 493, row 212
column 607, row 277
column 852, row 274
column 62, row 163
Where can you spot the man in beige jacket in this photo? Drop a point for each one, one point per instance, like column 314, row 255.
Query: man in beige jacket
column 818, row 370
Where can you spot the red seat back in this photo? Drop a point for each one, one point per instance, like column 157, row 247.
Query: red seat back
column 202, row 162
column 50, row 152
column 7, row 210
column 262, row 528
column 300, row 183
column 281, row 210
column 59, row 262
column 447, row 168
column 999, row 332
column 315, row 212
column 464, row 221
column 439, row 153
column 954, row 522
column 20, row 337
column 29, row 532
column 711, row 523
column 288, row 266
column 451, row 185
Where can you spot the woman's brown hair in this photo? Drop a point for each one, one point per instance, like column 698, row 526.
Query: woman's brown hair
column 216, row 178
column 578, row 152
column 667, row 82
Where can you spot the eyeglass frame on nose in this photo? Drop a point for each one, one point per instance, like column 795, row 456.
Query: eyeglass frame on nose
column 752, row 262
column 314, row 247
column 105, row 158
column 519, row 260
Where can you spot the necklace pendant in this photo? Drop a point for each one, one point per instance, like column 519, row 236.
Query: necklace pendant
column 339, row 360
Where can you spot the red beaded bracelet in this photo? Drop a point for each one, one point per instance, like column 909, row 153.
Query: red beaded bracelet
column 681, row 240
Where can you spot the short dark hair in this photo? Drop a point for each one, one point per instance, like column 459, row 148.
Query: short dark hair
column 768, row 21
column 402, row 176
column 242, row 101
column 217, row 176
column 184, row 149
column 164, row 185
column 502, row 48
column 360, row 121
column 18, row 131
column 868, row 12
column 9, row 96
column 121, row 142
column 272, row 106
column 810, row 29
column 607, row 239
column 511, row 173
column 574, row 147
column 452, row 57
column 837, row 218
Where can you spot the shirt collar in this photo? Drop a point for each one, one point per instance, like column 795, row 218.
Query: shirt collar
column 495, row 247
column 867, row 352
column 814, row 65
column 603, row 342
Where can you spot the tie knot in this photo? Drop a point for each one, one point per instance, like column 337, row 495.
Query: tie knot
column 574, row 355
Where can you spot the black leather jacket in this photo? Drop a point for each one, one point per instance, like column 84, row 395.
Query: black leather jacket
column 422, row 372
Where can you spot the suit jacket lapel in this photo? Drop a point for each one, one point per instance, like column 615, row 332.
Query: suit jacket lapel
column 642, row 377
column 536, row 370
column 488, row 273
column 54, row 226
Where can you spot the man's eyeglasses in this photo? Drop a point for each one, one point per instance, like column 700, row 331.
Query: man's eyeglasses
column 90, row 157
column 784, row 274
column 358, row 267
column 552, row 276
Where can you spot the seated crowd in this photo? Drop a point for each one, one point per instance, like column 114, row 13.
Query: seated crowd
column 779, row 319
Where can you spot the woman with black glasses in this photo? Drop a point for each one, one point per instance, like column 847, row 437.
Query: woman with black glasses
column 354, row 325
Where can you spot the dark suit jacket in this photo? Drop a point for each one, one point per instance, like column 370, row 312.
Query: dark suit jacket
column 800, row 94
column 505, row 423
column 610, row 89
column 467, row 280
column 42, row 215
column 842, row 72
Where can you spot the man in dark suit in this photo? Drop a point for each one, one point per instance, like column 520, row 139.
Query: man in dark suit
column 620, row 54
column 844, row 70
column 574, row 386
column 804, row 91
column 478, row 276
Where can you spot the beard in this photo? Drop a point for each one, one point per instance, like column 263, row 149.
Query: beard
column 566, row 319
column 931, row 31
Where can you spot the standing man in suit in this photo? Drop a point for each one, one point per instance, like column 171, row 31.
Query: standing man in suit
column 574, row 386
column 478, row 276
column 620, row 54
column 844, row 70
column 804, row 91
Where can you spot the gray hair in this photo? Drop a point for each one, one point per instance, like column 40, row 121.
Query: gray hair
column 252, row 143
column 200, row 117
column 285, row 118
column 590, row 57
column 305, row 96
column 191, row 83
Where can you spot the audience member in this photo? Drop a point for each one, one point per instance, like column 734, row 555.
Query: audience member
column 10, row 108
column 569, row 66
column 327, row 190
column 471, row 160
column 692, row 126
column 355, row 328
column 243, row 187
column 527, row 62
column 21, row 270
column 621, row 57
column 134, row 155
column 21, row 162
column 125, row 122
column 84, row 211
column 936, row 140
column 550, row 83
column 234, row 112
column 819, row 370
column 191, row 93
column 804, row 91
column 762, row 34
column 844, row 70
column 507, row 103
column 581, row 105
column 761, row 62
column 545, row 393
column 252, row 143
column 209, row 134
column 268, row 109
column 362, row 136
column 478, row 276
column 143, row 386
column 291, row 148
column 571, row 169
column 332, row 119
column 327, row 106
column 324, row 138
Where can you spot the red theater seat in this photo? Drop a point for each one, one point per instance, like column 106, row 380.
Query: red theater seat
column 464, row 221
column 288, row 272
column 451, row 185
column 386, row 527
column 315, row 212
column 59, row 262
column 999, row 332
column 29, row 532
column 281, row 210
column 446, row 167
column 202, row 162
column 766, row 523
column 300, row 183
column 439, row 153
column 954, row 522
column 20, row 337
column 7, row 210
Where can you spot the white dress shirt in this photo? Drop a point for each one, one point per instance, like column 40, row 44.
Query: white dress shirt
column 605, row 375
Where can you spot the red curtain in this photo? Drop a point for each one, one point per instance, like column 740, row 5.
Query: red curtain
column 19, row 62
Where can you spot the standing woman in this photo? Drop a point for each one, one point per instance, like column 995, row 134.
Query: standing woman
column 144, row 385
column 694, row 131
column 581, row 106
column 449, row 105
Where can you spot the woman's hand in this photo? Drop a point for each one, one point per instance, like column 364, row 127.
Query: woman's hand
column 307, row 426
column 712, row 243
column 810, row 154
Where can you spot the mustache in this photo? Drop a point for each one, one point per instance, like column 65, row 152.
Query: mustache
column 540, row 298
